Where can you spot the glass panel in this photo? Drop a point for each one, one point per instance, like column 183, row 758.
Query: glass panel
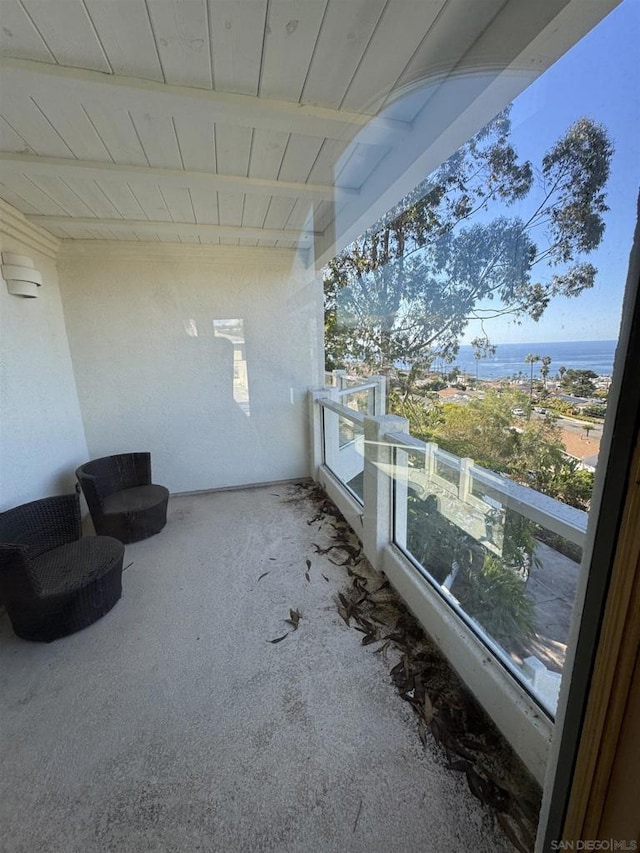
column 362, row 401
column 447, row 468
column 344, row 451
column 512, row 577
column 490, row 297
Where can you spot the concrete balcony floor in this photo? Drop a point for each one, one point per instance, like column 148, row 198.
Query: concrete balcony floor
column 173, row 725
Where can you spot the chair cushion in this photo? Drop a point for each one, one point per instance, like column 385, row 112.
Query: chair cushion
column 74, row 565
column 134, row 500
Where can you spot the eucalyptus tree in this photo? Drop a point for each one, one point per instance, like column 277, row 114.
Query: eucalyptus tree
column 407, row 289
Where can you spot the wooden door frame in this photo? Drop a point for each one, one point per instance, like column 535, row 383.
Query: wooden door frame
column 602, row 662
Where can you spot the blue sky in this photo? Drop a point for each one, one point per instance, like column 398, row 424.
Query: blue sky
column 599, row 78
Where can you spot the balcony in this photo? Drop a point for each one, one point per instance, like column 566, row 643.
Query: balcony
column 423, row 514
column 174, row 722
column 178, row 174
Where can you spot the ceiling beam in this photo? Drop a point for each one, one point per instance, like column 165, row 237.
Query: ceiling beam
column 59, row 167
column 187, row 229
column 112, row 92
column 524, row 39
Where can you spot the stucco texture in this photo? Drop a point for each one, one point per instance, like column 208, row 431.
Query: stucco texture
column 41, row 433
column 153, row 373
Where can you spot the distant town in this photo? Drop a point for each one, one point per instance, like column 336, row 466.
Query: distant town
column 575, row 399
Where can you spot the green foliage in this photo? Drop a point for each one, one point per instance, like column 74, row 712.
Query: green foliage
column 579, row 383
column 567, row 483
column 497, row 598
column 488, row 589
column 423, row 415
column 562, row 407
column 575, row 171
column 519, row 543
column 533, row 455
column 437, row 542
column 595, row 410
column 407, row 289
column 482, row 429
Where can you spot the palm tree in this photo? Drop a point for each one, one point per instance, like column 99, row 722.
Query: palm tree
column 531, row 359
column 544, row 370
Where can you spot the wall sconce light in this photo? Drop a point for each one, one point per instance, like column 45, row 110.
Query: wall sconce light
column 21, row 277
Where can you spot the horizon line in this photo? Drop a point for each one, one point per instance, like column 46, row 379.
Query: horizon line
column 541, row 343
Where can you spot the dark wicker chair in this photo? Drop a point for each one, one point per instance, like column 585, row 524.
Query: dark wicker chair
column 53, row 582
column 122, row 500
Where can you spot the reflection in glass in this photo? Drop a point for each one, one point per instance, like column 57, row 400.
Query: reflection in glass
column 362, row 401
column 233, row 331
column 344, row 451
column 190, row 327
column 504, row 555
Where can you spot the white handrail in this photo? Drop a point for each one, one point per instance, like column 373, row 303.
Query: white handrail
column 560, row 518
column 355, row 388
column 343, row 411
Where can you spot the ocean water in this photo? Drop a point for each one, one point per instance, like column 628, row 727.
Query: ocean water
column 510, row 358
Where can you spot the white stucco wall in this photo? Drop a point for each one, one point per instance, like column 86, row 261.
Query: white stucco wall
column 41, row 433
column 152, row 375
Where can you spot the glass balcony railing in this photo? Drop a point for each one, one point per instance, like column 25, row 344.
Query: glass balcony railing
column 343, row 446
column 343, row 429
column 504, row 557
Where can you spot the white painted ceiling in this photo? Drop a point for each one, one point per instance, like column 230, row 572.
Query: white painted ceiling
column 252, row 122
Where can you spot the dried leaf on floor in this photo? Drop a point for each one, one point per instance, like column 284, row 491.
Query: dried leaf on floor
column 478, row 786
column 279, row 639
column 512, row 835
column 353, row 574
column 355, row 823
column 458, row 764
column 424, row 679
column 382, row 650
column 344, row 615
column 294, row 619
column 427, row 711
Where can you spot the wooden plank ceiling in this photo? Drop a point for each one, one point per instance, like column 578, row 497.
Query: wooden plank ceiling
column 251, row 122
